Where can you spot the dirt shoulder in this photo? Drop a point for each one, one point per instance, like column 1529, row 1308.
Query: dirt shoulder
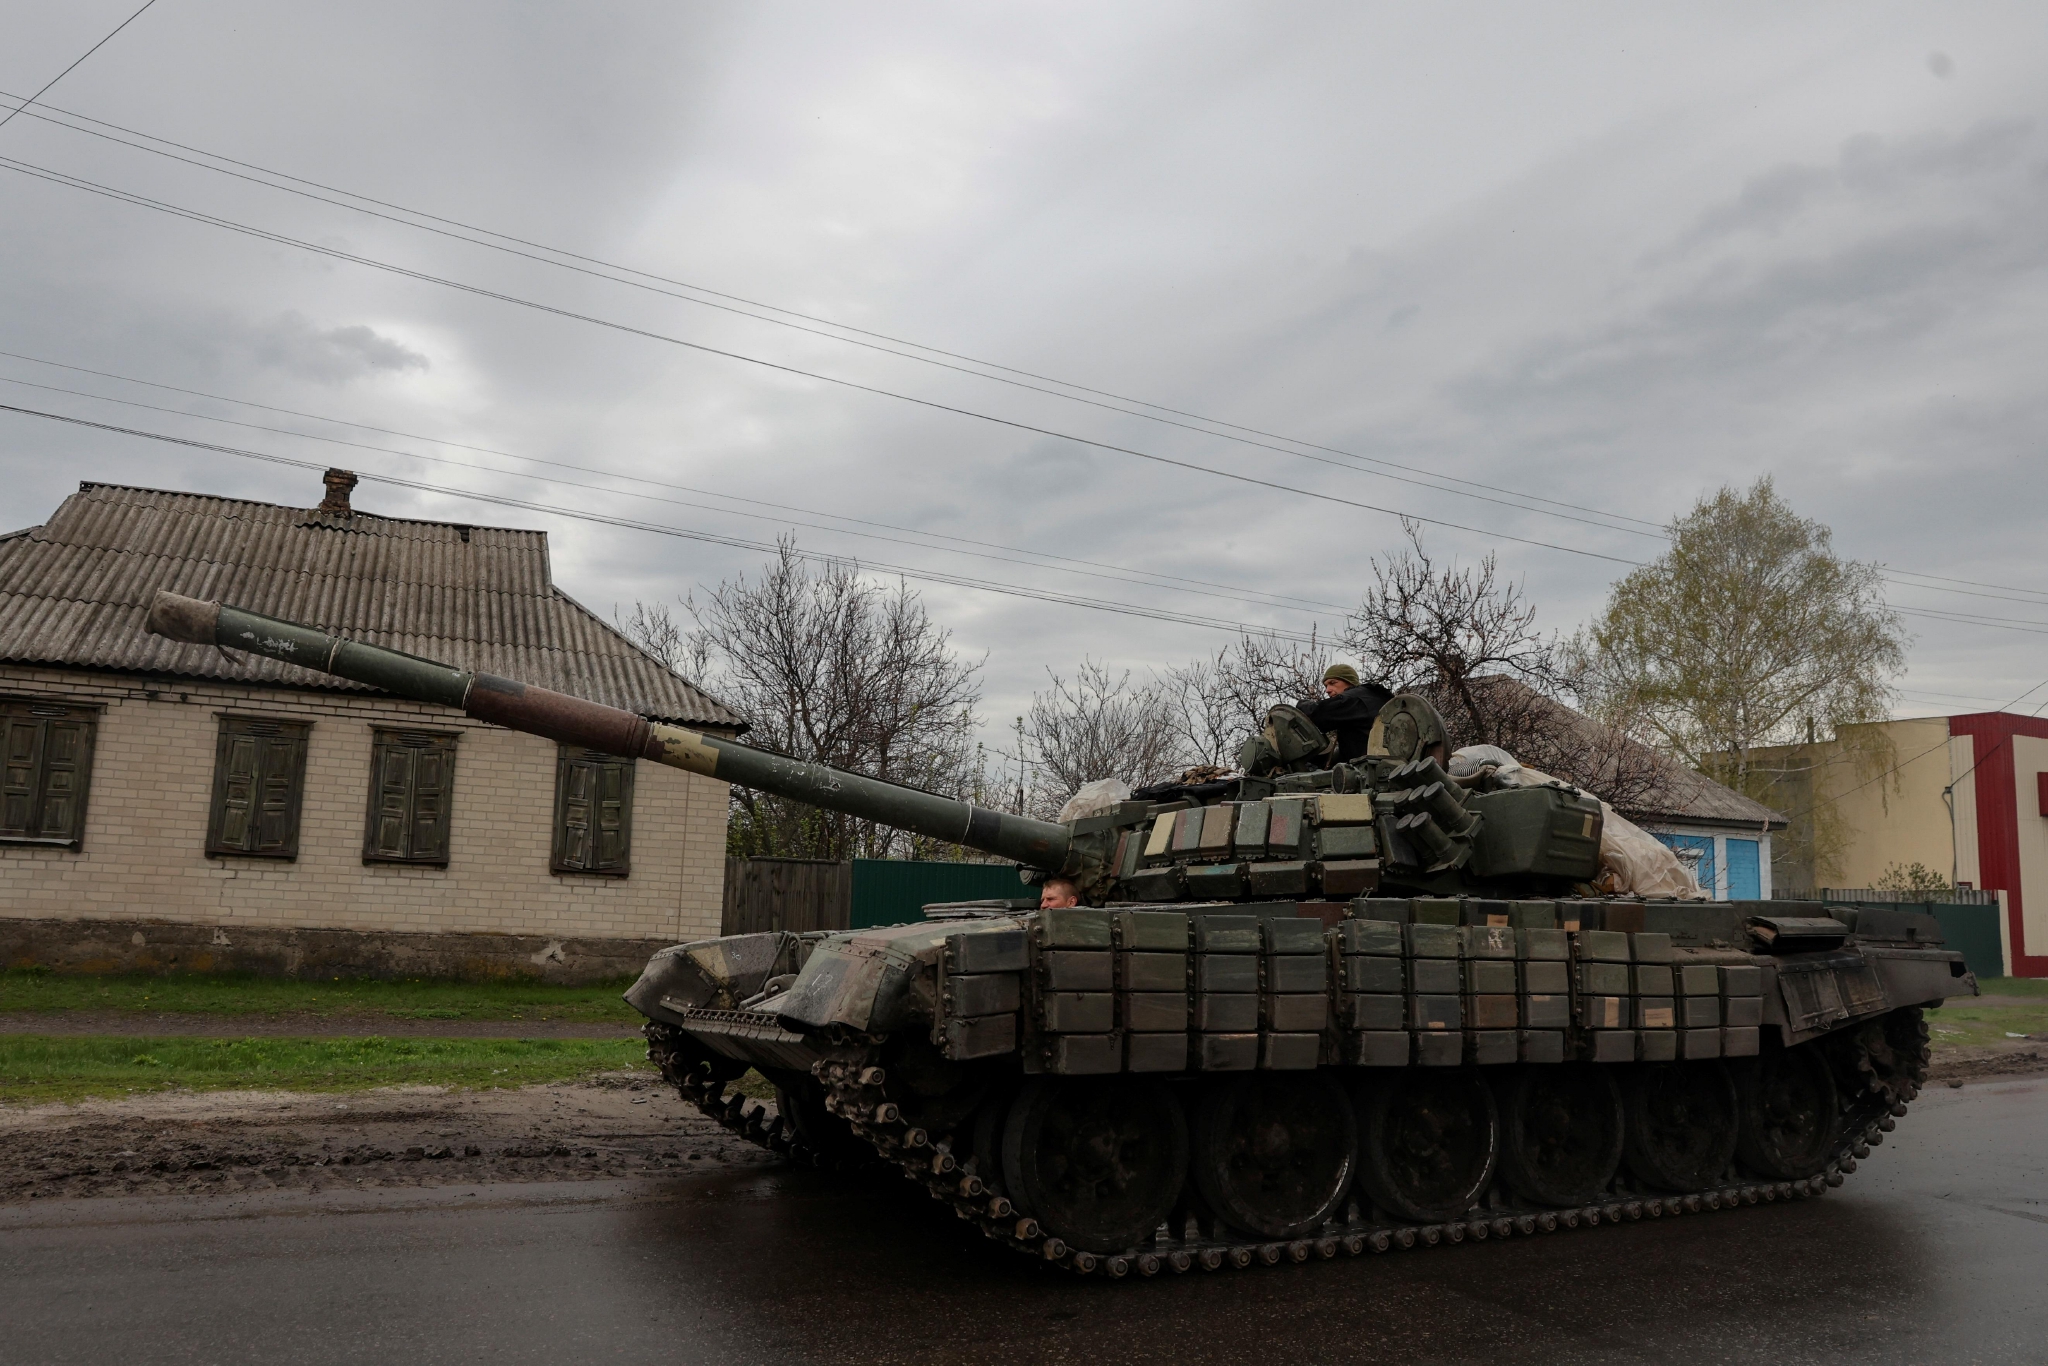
column 227, row 1142
column 300, row 1024
column 1985, row 1062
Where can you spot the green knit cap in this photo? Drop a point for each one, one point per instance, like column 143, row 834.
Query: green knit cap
column 1341, row 671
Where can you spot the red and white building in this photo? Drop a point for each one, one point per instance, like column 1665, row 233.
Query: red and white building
column 1965, row 797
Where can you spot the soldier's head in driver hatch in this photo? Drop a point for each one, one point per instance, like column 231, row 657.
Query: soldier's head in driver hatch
column 1058, row 892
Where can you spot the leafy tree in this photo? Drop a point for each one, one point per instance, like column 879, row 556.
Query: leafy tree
column 1750, row 633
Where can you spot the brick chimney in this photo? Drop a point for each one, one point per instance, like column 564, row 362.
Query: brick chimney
column 338, row 482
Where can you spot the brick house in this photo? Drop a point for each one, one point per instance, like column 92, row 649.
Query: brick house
column 243, row 812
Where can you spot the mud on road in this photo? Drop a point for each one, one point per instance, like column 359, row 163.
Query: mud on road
column 615, row 1126
column 227, row 1142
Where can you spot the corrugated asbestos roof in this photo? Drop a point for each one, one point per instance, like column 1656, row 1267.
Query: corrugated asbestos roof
column 75, row 591
column 1680, row 795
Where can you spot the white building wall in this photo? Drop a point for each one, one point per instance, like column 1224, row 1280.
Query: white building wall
column 152, row 780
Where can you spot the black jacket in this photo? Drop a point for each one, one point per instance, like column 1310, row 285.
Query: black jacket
column 1348, row 716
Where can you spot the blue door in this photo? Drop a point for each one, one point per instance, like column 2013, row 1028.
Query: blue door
column 1745, row 882
column 1689, row 847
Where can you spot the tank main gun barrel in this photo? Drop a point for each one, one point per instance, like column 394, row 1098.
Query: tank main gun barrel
column 577, row 721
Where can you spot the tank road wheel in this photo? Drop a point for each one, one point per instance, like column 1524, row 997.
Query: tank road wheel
column 1681, row 1124
column 1560, row 1133
column 985, row 1137
column 1427, row 1142
column 1789, row 1114
column 1273, row 1152
column 1098, row 1161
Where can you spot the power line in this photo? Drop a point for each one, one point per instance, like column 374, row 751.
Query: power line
column 1471, row 489
column 2008, row 596
column 615, row 474
column 686, row 533
column 1818, row 803
column 1951, row 696
column 975, row 546
column 73, row 67
column 1228, row 592
column 263, row 234
column 1915, row 574
column 1422, row 482
column 2037, row 628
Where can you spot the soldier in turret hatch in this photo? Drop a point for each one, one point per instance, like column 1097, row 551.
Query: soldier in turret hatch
column 1346, row 711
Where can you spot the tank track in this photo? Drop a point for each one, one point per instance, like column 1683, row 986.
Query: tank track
column 855, row 1091
column 748, row 1119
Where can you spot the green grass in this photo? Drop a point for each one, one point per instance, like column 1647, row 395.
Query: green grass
column 1963, row 1021
column 2014, row 986
column 32, row 990
column 38, row 1067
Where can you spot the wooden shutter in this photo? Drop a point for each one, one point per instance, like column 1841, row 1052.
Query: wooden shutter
column 412, row 787
column 234, row 787
column 23, row 752
column 67, row 764
column 433, row 784
column 614, row 815
column 47, row 752
column 283, row 769
column 572, row 815
column 593, row 812
column 390, row 800
column 259, row 777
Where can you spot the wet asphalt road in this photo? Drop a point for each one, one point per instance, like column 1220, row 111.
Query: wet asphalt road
column 1937, row 1250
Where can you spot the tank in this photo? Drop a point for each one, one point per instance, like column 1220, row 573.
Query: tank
column 1302, row 1013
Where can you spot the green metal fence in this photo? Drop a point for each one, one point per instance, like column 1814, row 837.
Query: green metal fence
column 895, row 891
column 1971, row 931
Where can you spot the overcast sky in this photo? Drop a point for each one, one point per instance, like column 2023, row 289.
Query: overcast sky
column 1615, row 256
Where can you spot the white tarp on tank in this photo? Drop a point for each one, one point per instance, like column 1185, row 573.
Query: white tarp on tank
column 1095, row 798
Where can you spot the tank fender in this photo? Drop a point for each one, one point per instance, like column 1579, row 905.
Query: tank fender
column 878, row 980
column 710, row 974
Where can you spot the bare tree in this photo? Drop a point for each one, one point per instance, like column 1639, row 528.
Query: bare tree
column 1425, row 628
column 1098, row 726
column 654, row 628
column 1217, row 702
column 828, row 666
column 1466, row 639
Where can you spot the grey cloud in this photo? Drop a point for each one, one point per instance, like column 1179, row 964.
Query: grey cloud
column 1609, row 255
column 332, row 355
column 1867, row 165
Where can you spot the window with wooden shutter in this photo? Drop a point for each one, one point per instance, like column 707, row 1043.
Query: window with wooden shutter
column 259, row 778
column 412, row 785
column 45, row 771
column 593, row 812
